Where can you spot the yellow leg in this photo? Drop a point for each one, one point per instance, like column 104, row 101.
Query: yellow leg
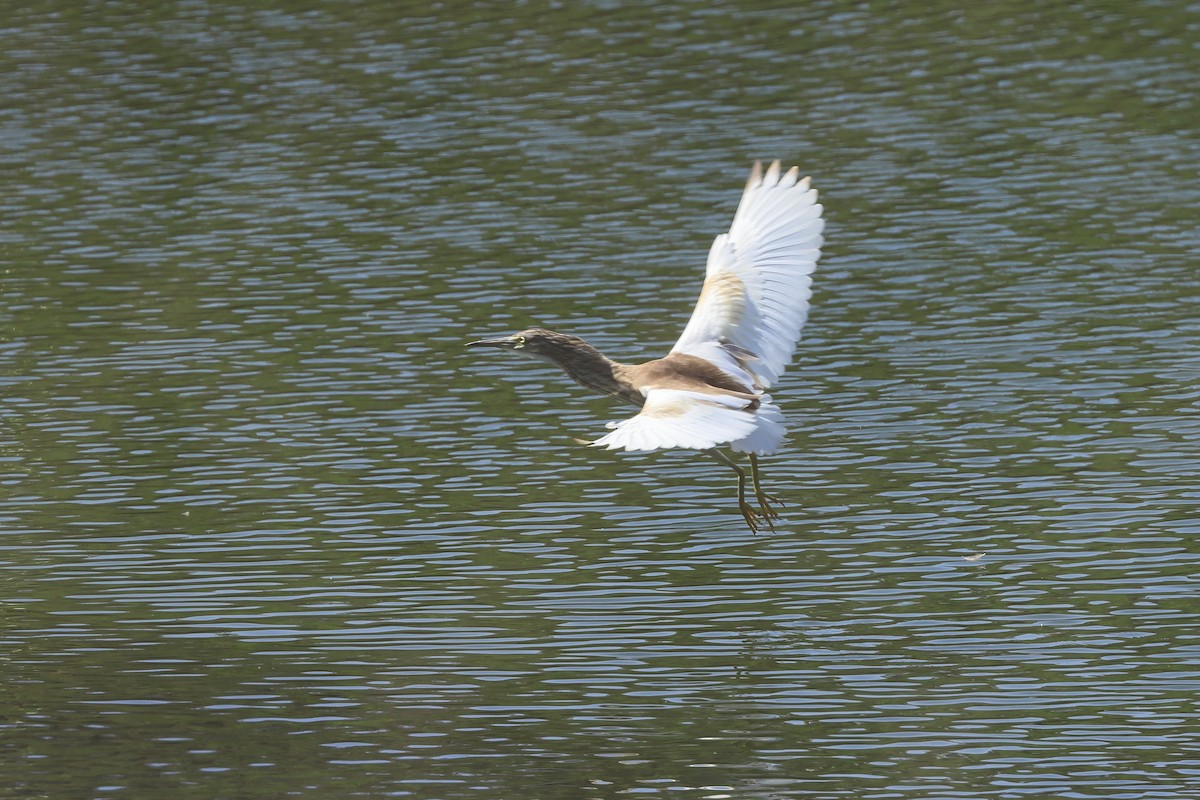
column 764, row 499
column 749, row 512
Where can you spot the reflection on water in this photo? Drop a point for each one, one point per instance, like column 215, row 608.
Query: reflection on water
column 270, row 530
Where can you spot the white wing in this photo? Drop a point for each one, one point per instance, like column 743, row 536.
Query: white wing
column 679, row 418
column 756, row 289
column 768, row 430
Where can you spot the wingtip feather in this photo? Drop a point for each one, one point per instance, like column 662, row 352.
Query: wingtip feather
column 772, row 176
column 755, row 175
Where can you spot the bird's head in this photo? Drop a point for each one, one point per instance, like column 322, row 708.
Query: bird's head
column 557, row 348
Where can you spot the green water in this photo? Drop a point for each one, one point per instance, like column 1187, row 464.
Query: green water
column 270, row 531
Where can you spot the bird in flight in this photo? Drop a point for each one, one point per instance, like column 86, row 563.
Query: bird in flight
column 709, row 392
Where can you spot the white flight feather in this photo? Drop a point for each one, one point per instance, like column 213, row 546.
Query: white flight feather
column 680, row 418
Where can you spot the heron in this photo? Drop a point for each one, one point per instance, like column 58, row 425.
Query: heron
column 709, row 391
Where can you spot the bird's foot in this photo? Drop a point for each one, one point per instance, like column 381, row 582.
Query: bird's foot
column 765, row 502
column 754, row 517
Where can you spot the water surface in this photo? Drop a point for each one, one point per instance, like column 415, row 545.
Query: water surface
column 270, row 531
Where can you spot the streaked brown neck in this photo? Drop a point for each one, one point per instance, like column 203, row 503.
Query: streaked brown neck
column 591, row 369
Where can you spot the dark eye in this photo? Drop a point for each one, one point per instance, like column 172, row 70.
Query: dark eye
column 520, row 341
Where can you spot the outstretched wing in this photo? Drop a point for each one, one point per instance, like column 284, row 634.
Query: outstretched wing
column 756, row 290
column 680, row 418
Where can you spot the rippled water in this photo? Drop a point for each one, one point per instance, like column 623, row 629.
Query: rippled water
column 269, row 531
